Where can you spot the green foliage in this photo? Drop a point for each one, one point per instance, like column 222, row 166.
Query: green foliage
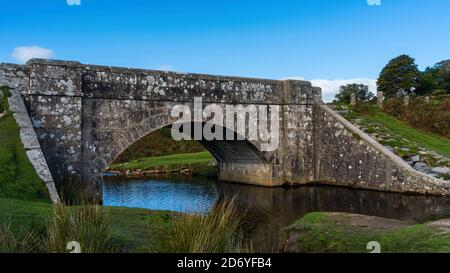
column 17, row 176
column 443, row 75
column 433, row 117
column 158, row 143
column 4, row 98
column 215, row 232
column 400, row 76
column 428, row 82
column 362, row 93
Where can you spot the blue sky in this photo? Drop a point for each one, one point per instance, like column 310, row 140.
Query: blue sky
column 329, row 42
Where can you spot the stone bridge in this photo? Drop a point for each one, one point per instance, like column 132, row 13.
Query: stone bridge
column 84, row 116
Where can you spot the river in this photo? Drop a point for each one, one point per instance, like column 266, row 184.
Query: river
column 267, row 210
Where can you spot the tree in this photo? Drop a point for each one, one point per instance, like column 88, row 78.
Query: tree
column 362, row 93
column 399, row 77
column 435, row 78
column 428, row 82
column 443, row 75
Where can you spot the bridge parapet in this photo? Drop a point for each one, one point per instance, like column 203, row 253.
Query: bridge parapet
column 65, row 78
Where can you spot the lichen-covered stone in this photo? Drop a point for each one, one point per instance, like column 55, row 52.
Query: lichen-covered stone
column 84, row 116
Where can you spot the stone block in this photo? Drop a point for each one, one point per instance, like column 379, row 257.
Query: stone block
column 29, row 139
column 40, row 166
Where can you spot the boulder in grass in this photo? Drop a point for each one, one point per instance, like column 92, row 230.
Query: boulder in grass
column 441, row 171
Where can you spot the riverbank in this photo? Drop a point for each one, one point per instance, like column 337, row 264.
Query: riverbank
column 351, row 233
column 195, row 164
column 132, row 230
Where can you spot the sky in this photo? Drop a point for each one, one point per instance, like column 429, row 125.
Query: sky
column 330, row 42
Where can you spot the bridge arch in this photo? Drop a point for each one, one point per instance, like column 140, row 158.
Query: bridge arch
column 238, row 160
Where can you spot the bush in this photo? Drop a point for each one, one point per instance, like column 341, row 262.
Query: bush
column 433, row 117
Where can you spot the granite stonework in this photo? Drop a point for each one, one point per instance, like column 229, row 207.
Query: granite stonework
column 84, row 116
column 30, row 142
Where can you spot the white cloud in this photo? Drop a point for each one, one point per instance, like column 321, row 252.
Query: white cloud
column 165, row 67
column 24, row 53
column 331, row 87
column 73, row 2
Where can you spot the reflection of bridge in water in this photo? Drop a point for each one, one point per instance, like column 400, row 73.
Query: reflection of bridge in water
column 271, row 209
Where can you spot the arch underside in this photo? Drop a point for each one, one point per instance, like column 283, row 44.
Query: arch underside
column 238, row 160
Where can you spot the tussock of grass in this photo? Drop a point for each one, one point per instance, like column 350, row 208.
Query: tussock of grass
column 215, row 232
column 130, row 230
column 87, row 224
column 13, row 242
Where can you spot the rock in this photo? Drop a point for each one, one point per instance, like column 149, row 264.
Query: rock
column 415, row 158
column 421, row 167
column 422, row 153
column 343, row 112
column 389, row 148
column 213, row 162
column 405, row 149
column 441, row 171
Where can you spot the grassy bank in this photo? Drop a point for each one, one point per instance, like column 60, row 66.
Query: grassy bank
column 41, row 227
column 131, row 230
column 158, row 143
column 197, row 162
column 17, row 176
column 345, row 233
column 374, row 119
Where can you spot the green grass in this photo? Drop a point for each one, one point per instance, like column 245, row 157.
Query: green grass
column 17, row 176
column 117, row 229
column 215, row 232
column 433, row 142
column 131, row 230
column 198, row 162
column 158, row 143
column 320, row 232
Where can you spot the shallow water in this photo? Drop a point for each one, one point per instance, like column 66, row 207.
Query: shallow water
column 267, row 210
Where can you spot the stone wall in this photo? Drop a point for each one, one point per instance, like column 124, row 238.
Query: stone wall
column 346, row 156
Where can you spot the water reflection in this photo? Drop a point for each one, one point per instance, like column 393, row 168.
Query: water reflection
column 160, row 194
column 271, row 210
column 268, row 210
